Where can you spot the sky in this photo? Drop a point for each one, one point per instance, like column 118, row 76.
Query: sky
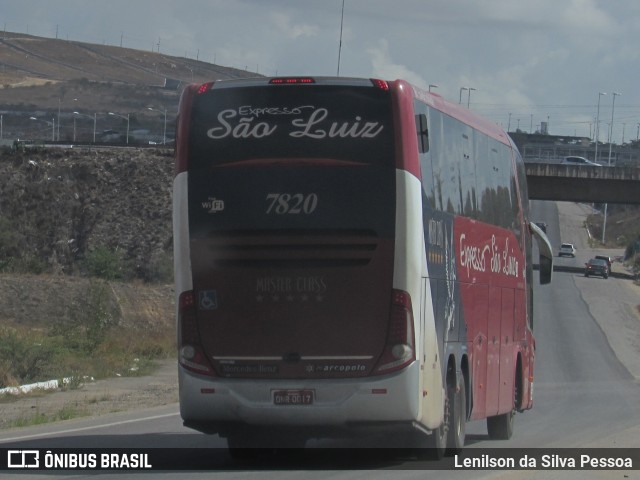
column 522, row 62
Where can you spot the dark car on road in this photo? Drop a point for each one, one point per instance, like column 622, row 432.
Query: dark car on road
column 607, row 259
column 596, row 266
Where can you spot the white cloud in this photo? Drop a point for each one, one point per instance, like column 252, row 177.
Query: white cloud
column 549, row 57
column 284, row 24
column 384, row 67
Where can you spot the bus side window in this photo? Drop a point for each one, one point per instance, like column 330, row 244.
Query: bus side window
column 426, row 167
column 423, row 133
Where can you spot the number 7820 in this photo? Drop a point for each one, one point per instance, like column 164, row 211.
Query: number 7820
column 291, row 203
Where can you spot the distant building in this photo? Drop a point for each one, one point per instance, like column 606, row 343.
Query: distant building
column 544, row 128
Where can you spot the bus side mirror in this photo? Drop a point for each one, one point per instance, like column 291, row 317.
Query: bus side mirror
column 546, row 267
column 546, row 253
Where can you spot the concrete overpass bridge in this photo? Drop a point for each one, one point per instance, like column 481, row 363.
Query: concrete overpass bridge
column 579, row 183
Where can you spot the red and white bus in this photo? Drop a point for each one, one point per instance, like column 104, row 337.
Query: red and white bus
column 351, row 256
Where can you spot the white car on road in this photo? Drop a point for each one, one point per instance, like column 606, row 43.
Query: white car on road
column 579, row 161
column 567, row 249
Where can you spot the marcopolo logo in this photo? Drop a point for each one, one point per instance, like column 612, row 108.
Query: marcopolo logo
column 23, row 459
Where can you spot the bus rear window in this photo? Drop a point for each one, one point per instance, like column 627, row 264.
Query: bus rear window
column 291, row 124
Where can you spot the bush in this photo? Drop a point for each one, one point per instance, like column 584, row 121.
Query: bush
column 104, row 263
column 89, row 318
column 24, row 357
column 92, row 336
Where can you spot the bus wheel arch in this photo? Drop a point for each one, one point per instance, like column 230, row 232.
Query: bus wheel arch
column 518, row 386
column 466, row 376
column 500, row 427
column 456, row 409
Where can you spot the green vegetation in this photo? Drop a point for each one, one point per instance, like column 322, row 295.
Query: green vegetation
column 93, row 339
column 105, row 263
column 632, row 257
column 67, row 412
column 102, row 262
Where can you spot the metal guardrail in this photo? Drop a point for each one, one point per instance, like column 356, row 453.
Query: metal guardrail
column 568, row 269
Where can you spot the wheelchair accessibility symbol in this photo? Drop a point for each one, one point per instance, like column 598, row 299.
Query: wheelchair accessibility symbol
column 207, row 300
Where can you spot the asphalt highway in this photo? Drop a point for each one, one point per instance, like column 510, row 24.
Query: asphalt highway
column 586, row 388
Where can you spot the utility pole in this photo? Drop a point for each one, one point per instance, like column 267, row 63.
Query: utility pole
column 613, row 107
column 469, row 96
column 340, row 43
column 598, row 126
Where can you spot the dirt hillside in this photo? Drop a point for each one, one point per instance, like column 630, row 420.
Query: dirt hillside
column 71, row 216
column 58, row 206
column 54, row 89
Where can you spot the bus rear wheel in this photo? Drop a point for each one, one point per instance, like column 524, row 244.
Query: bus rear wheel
column 434, row 446
column 430, row 447
column 500, row 427
column 457, row 418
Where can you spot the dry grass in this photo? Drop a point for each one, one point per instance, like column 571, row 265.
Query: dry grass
column 96, row 334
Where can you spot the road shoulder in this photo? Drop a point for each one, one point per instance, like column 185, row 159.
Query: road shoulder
column 95, row 398
column 613, row 303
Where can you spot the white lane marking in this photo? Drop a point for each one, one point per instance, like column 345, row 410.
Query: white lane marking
column 80, row 429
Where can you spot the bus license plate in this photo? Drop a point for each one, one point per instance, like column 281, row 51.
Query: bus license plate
column 293, row 397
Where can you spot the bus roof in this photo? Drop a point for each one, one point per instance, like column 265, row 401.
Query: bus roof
column 432, row 99
column 463, row 114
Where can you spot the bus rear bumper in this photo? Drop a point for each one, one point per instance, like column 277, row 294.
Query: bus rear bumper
column 214, row 405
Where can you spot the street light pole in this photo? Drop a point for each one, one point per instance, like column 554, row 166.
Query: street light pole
column 340, row 43
column 59, row 104
column 613, row 107
column 598, row 125
column 53, row 126
column 88, row 116
column 461, row 89
column 469, row 96
column 126, row 118
column 164, row 133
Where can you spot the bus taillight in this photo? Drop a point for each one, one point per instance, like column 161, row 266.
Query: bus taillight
column 291, row 80
column 191, row 355
column 399, row 350
column 381, row 84
column 205, row 87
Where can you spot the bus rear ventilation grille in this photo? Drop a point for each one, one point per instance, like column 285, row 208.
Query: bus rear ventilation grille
column 300, row 249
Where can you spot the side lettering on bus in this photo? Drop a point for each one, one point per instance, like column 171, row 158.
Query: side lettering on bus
column 478, row 257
